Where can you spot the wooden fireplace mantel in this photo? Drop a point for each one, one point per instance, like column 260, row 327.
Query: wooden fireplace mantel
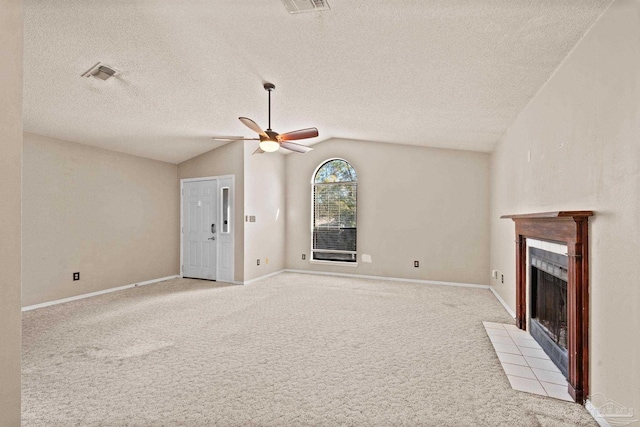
column 547, row 215
column 572, row 229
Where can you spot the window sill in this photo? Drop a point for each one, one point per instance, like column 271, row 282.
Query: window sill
column 338, row 263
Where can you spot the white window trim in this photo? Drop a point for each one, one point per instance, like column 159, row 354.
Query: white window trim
column 339, row 263
column 312, row 250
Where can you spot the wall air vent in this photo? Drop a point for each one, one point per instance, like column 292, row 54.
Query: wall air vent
column 100, row 71
column 298, row 6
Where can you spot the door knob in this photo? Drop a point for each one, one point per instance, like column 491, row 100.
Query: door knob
column 211, row 238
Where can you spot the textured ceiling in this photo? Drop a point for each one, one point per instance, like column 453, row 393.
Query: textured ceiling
column 446, row 73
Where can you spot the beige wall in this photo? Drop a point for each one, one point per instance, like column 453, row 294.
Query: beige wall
column 583, row 132
column 414, row 203
column 112, row 217
column 225, row 160
column 10, row 195
column 264, row 198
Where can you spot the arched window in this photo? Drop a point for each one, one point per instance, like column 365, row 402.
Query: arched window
column 334, row 212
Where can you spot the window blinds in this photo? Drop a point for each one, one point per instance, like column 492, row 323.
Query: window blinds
column 334, row 227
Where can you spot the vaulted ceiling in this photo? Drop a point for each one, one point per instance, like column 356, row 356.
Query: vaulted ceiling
column 438, row 73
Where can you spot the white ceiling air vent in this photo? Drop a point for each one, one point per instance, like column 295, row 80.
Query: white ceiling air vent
column 101, row 71
column 297, row 6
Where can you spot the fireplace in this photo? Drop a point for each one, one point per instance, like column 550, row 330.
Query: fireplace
column 570, row 228
column 548, row 304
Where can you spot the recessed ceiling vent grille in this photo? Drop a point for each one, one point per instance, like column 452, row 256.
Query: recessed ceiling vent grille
column 101, row 71
column 298, row 6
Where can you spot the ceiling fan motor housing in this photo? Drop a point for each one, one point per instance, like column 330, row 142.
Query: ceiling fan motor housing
column 272, row 135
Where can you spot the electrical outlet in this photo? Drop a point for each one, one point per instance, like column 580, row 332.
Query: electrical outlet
column 416, row 264
column 304, row 256
column 252, row 218
column 76, row 276
column 502, row 278
column 258, row 262
column 494, row 274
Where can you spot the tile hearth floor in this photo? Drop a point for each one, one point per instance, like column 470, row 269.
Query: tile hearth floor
column 526, row 365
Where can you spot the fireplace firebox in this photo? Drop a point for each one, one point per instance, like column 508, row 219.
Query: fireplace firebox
column 548, row 304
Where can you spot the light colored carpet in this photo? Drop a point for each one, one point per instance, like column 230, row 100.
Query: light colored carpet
column 293, row 349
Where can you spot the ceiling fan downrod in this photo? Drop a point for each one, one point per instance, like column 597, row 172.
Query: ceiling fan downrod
column 269, row 87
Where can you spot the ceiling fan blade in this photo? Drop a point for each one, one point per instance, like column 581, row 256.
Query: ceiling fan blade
column 295, row 147
column 258, row 151
column 234, row 138
column 298, row 134
column 253, row 126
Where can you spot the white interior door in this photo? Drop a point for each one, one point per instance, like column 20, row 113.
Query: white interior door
column 200, row 229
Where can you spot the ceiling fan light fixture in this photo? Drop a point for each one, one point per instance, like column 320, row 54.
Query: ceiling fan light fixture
column 269, row 145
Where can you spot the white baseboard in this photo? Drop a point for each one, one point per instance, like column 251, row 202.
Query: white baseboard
column 93, row 294
column 248, row 282
column 504, row 304
column 390, row 279
column 596, row 414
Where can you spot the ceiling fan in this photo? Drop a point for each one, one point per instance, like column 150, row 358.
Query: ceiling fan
column 270, row 141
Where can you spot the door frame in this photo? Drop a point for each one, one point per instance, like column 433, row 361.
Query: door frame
column 219, row 208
